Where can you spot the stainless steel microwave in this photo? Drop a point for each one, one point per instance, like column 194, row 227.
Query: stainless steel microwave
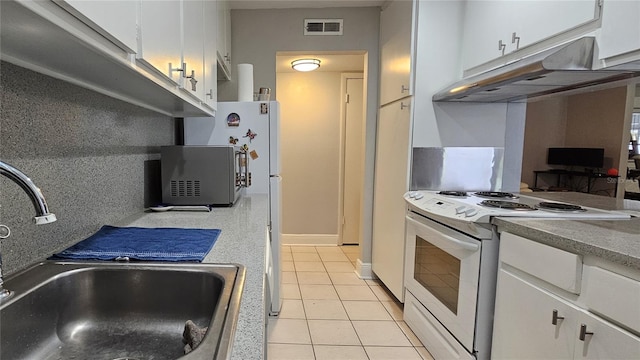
column 203, row 175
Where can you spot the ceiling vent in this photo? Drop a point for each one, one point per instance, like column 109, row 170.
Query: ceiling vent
column 323, row 26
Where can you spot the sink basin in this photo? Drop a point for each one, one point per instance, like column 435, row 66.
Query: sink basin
column 107, row 311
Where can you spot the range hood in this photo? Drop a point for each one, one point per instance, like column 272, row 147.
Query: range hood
column 562, row 68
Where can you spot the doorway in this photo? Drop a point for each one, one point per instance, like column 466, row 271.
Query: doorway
column 314, row 143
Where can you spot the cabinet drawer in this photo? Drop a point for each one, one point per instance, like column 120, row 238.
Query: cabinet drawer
column 612, row 295
column 558, row 267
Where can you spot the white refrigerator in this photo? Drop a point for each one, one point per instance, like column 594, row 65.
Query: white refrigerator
column 256, row 125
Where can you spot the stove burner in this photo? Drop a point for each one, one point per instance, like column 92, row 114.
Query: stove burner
column 559, row 207
column 453, row 193
column 507, row 205
column 496, row 195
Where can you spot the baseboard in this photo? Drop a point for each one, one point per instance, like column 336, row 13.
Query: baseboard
column 310, row 239
column 363, row 270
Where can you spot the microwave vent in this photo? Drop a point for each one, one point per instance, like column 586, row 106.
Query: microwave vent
column 184, row 188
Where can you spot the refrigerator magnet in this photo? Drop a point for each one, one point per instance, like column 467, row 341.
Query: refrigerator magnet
column 250, row 134
column 253, row 154
column 233, row 119
column 233, row 140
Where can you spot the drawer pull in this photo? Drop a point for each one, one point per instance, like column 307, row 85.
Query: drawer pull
column 584, row 332
column 555, row 317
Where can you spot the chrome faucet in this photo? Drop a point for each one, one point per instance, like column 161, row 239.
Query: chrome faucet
column 43, row 216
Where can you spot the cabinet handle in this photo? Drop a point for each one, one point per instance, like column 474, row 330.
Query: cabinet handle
column 404, row 88
column 515, row 40
column 403, row 106
column 555, row 317
column 584, row 332
column 172, row 69
column 227, row 57
column 192, row 77
column 501, row 46
column 210, row 94
column 192, row 80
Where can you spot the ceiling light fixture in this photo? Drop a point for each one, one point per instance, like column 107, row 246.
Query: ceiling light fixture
column 305, row 64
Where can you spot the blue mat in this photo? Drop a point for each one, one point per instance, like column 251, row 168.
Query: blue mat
column 135, row 243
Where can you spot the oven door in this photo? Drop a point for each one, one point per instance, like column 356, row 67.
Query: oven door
column 441, row 271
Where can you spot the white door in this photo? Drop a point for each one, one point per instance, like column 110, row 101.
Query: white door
column 275, row 220
column 606, row 340
column 523, row 323
column 391, row 181
column 352, row 159
column 116, row 17
column 395, row 51
column 209, row 81
column 161, row 37
column 443, row 271
column 192, row 47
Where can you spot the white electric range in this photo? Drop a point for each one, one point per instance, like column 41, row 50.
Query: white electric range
column 452, row 260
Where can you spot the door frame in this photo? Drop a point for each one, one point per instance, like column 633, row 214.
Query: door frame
column 343, row 141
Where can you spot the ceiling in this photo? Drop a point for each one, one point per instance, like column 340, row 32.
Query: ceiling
column 328, row 62
column 295, row 4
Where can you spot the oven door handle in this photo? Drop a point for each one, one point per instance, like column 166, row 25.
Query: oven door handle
column 461, row 244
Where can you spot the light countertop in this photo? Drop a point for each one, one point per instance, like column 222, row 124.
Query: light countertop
column 242, row 241
column 617, row 241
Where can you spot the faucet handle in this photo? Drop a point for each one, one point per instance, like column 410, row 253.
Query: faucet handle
column 44, row 219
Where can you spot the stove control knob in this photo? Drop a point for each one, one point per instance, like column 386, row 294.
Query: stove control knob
column 418, row 196
column 470, row 212
column 460, row 209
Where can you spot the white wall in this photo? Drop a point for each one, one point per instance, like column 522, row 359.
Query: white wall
column 310, row 125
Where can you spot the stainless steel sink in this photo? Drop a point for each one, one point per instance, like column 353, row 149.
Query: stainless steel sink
column 107, row 311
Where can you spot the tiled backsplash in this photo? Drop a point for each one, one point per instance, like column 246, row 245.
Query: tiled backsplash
column 95, row 158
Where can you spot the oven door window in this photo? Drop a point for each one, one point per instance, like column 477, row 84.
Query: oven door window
column 438, row 272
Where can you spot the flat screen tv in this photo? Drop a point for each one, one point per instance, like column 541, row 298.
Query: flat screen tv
column 587, row 157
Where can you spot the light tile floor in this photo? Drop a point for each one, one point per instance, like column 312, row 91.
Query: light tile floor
column 329, row 313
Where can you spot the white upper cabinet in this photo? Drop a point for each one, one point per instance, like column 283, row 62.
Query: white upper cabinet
column 486, row 26
column 620, row 31
column 193, row 47
column 210, row 84
column 395, row 51
column 132, row 50
column 224, row 38
column 160, row 37
column 116, row 19
column 496, row 28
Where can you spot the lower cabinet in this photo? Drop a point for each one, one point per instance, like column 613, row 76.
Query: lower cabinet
column 534, row 321
column 523, row 327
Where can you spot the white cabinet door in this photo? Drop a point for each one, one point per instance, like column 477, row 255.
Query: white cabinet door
column 486, row 23
column 118, row 18
column 390, row 183
column 224, row 37
column 534, row 21
column 607, row 341
column 489, row 22
column 193, row 47
column 210, row 84
column 523, row 327
column 160, row 36
column 620, row 31
column 395, row 51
